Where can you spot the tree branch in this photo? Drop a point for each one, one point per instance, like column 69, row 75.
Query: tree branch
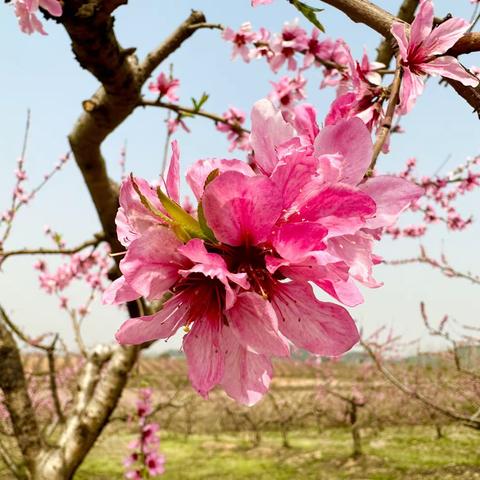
column 17, row 399
column 191, row 111
column 388, row 120
column 98, row 238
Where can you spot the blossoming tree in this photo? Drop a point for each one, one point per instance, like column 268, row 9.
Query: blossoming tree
column 235, row 270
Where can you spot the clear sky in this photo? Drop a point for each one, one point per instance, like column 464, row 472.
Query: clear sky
column 40, row 73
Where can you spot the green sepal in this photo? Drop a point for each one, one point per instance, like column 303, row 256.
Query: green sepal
column 146, row 203
column 203, row 224
column 184, row 225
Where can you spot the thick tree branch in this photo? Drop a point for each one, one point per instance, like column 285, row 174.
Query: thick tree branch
column 17, row 400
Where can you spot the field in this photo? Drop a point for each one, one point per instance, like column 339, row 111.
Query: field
column 303, row 428
column 396, row 453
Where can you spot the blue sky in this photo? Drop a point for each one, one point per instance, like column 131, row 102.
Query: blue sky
column 40, row 73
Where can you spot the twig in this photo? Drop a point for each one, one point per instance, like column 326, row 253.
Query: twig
column 388, row 120
column 98, row 238
column 52, row 377
column 191, row 111
column 467, row 421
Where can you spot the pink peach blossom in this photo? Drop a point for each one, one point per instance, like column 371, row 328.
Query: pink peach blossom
column 421, row 51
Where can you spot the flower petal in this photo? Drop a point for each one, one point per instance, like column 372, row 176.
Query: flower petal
column 352, row 140
column 212, row 265
column 319, row 327
column 119, row 291
column 269, row 130
column 205, row 355
column 197, row 174
column 241, row 210
column 152, row 262
column 411, row 88
column 254, row 323
column 450, row 67
column 162, row 324
column 422, row 24
column 173, row 174
column 392, row 195
column 247, row 374
column 445, row 36
column 294, row 241
column 398, row 30
column 340, row 208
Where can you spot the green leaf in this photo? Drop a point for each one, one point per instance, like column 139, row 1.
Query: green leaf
column 198, row 105
column 184, row 224
column 203, row 224
column 146, row 203
column 310, row 13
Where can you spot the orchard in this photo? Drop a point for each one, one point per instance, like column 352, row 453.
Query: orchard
column 239, row 239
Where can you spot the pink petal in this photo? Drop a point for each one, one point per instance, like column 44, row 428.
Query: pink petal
column 152, row 262
column 212, row 265
column 319, row 327
column 135, row 217
column 305, row 121
column 445, row 36
column 119, row 291
column 340, row 208
column 392, row 195
column 345, row 292
column 205, row 355
column 412, row 87
column 291, row 173
column 162, row 324
column 197, row 174
column 241, row 210
column 254, row 323
column 398, row 30
column 293, row 241
column 422, row 24
column 356, row 251
column 173, row 174
column 269, row 130
column 52, row 6
column 449, row 67
column 352, row 140
column 247, row 374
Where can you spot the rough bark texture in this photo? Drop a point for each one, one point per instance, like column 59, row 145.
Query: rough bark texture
column 16, row 398
column 89, row 24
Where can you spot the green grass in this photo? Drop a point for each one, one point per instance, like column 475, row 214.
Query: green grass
column 396, row 453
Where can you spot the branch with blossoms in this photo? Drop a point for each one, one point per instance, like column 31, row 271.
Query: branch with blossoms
column 443, row 265
column 438, row 202
column 144, row 461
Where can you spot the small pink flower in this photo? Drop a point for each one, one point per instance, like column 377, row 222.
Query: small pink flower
column 165, row 86
column 288, row 91
column 240, row 39
column 237, row 137
column 155, row 463
column 293, row 39
column 26, row 11
column 421, row 48
column 262, row 2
